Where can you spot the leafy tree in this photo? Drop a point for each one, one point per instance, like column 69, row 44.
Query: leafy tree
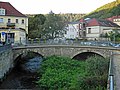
column 35, row 25
column 96, row 65
column 115, row 36
column 53, row 26
column 49, row 25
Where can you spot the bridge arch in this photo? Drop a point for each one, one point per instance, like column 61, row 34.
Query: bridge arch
column 89, row 51
column 21, row 52
column 26, row 55
column 84, row 55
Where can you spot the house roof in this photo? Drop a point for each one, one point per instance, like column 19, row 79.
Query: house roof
column 82, row 20
column 10, row 10
column 113, row 17
column 93, row 22
column 101, row 22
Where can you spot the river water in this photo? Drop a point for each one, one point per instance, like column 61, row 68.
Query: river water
column 23, row 76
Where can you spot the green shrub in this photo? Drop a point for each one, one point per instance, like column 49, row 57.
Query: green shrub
column 97, row 65
column 58, row 72
column 62, row 73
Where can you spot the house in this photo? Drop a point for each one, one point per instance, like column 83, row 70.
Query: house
column 75, row 30
column 115, row 19
column 72, row 31
column 13, row 24
column 90, row 29
column 96, row 27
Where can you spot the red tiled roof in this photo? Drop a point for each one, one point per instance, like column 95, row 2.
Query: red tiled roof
column 82, row 20
column 10, row 10
column 93, row 22
column 101, row 22
column 113, row 17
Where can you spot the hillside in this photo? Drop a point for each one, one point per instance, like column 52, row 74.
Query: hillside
column 107, row 10
column 67, row 17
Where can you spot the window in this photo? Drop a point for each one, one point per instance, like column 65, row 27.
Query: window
column 89, row 30
column 80, row 26
column 9, row 20
column 1, row 20
column 16, row 20
column 83, row 25
column 22, row 21
column 2, row 11
column 71, row 36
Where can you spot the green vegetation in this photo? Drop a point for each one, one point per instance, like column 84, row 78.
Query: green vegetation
column 106, row 11
column 71, row 17
column 62, row 73
column 113, row 36
column 49, row 25
column 45, row 27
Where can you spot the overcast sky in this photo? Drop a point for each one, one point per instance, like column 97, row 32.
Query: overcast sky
column 57, row 6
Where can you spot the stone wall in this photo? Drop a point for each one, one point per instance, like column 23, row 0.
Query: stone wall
column 6, row 62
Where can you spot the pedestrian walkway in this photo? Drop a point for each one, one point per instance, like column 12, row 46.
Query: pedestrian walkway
column 116, row 70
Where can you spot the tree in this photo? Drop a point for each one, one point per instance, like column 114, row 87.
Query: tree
column 36, row 25
column 115, row 36
column 53, row 26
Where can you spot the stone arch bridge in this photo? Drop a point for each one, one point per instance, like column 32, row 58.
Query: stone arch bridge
column 62, row 50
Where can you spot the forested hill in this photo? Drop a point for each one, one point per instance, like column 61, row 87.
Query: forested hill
column 68, row 17
column 107, row 10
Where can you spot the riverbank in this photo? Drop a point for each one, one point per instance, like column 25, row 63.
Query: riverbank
column 19, row 80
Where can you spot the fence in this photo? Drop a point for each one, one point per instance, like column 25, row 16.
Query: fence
column 69, row 42
column 111, row 75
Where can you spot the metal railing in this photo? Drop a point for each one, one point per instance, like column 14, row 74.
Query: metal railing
column 111, row 74
column 69, row 42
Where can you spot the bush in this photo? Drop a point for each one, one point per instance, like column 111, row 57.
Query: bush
column 58, row 72
column 66, row 74
column 97, row 65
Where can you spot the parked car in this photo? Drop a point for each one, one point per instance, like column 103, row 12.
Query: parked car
column 117, row 45
column 112, row 44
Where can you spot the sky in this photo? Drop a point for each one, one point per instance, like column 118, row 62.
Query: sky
column 57, row 6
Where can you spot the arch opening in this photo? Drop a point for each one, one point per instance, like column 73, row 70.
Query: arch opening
column 85, row 55
column 28, row 62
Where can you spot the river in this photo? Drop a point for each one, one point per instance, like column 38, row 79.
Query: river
column 23, row 75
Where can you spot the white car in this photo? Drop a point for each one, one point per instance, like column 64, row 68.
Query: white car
column 118, row 45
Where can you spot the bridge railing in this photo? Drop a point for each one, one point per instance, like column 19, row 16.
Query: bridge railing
column 69, row 42
column 110, row 85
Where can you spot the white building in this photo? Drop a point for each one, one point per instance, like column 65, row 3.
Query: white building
column 89, row 28
column 75, row 30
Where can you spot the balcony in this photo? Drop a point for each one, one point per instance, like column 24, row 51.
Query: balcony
column 10, row 24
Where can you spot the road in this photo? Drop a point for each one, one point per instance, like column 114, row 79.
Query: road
column 116, row 65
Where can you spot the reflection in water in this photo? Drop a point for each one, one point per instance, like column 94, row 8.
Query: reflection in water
column 31, row 65
column 23, row 76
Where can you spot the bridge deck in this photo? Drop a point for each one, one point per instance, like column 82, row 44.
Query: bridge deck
column 116, row 63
